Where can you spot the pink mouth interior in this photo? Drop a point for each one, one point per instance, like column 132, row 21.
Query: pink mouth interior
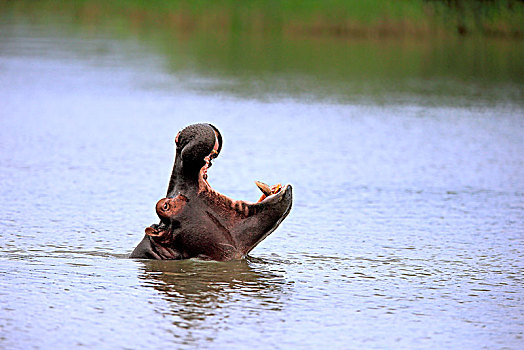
column 204, row 186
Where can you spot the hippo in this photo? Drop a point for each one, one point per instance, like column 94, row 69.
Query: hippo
column 198, row 222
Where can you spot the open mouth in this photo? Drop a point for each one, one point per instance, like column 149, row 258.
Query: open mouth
column 198, row 222
column 266, row 190
column 170, row 207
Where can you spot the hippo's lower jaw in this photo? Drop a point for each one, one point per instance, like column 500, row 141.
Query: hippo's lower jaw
column 243, row 223
column 197, row 221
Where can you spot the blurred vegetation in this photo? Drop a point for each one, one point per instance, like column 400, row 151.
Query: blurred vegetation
column 434, row 51
column 345, row 18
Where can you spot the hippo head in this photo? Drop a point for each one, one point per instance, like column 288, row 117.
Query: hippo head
column 196, row 220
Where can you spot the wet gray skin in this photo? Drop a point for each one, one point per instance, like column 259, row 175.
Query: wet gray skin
column 196, row 220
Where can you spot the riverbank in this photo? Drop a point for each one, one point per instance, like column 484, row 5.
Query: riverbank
column 335, row 18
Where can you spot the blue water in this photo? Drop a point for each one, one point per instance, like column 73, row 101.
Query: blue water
column 407, row 228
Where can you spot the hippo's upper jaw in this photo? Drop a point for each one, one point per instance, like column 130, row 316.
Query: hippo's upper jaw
column 196, row 220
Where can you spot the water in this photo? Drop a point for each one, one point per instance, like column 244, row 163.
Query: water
column 407, row 227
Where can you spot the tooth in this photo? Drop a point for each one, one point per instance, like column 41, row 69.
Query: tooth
column 264, row 188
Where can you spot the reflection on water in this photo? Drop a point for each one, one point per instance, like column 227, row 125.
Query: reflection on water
column 426, row 72
column 406, row 160
column 205, row 296
column 196, row 289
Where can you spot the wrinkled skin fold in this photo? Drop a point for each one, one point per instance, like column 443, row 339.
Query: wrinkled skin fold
column 198, row 222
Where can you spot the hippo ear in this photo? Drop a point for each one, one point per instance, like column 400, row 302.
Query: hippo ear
column 219, row 137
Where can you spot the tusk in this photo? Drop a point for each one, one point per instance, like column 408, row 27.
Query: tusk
column 264, row 188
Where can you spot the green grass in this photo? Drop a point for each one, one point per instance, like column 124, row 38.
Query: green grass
column 363, row 18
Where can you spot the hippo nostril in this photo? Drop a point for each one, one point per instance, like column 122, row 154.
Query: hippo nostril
column 196, row 220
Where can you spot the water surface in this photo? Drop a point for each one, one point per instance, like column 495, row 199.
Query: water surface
column 406, row 160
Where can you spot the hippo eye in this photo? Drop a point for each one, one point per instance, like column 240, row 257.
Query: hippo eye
column 165, row 206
